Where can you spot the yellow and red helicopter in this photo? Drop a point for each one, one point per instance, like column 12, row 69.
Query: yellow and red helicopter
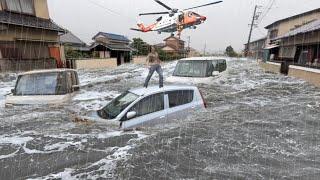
column 174, row 20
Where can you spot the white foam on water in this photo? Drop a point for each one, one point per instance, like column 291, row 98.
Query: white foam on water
column 16, row 140
column 60, row 146
column 107, row 165
column 93, row 95
column 64, row 175
column 9, row 155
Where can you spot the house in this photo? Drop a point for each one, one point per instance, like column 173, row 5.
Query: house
column 256, row 48
column 193, row 52
column 29, row 39
column 73, row 42
column 108, row 45
column 282, row 27
column 301, row 45
column 174, row 46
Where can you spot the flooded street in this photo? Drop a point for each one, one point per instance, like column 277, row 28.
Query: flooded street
column 257, row 126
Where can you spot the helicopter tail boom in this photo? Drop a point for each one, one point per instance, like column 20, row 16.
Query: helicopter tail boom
column 143, row 28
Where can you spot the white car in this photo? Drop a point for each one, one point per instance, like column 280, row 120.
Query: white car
column 152, row 105
column 54, row 86
column 197, row 70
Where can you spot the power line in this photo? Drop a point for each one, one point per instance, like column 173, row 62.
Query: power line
column 269, row 7
column 110, row 10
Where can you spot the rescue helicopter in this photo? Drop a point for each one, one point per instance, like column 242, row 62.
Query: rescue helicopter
column 174, row 20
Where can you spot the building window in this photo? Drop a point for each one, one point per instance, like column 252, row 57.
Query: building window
column 273, row 34
column 287, row 52
column 20, row 6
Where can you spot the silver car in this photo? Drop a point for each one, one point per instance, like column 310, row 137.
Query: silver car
column 197, row 70
column 50, row 87
column 142, row 107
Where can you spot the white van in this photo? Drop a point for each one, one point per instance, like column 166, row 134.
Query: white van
column 154, row 105
column 54, row 86
column 197, row 70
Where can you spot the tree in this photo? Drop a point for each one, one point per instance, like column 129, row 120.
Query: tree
column 142, row 48
column 230, row 52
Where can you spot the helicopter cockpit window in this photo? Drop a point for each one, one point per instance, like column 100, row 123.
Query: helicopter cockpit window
column 196, row 14
column 159, row 19
column 190, row 14
column 181, row 18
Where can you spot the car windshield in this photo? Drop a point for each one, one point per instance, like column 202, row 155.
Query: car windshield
column 116, row 106
column 41, row 84
column 192, row 69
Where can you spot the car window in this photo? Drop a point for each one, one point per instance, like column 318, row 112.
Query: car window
column 149, row 105
column 116, row 106
column 191, row 69
column 41, row 84
column 178, row 98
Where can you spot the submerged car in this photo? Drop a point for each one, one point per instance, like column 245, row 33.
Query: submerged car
column 153, row 105
column 54, row 86
column 197, row 69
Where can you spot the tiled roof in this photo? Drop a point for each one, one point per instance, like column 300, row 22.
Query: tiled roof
column 71, row 38
column 312, row 26
column 28, row 21
column 113, row 36
column 174, row 38
column 113, row 47
column 292, row 17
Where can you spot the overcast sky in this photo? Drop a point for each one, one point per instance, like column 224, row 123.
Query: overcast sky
column 227, row 23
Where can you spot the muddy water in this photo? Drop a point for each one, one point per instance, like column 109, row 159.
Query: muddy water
column 257, row 126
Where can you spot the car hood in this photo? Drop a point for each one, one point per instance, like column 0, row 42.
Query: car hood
column 94, row 117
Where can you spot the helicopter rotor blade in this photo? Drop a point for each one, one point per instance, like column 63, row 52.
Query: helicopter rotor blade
column 164, row 5
column 217, row 2
column 155, row 13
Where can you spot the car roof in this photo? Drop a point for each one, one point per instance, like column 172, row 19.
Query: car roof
column 155, row 89
column 47, row 71
column 202, row 58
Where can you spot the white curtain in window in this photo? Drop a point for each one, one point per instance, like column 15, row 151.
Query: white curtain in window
column 27, row 6
column 13, row 5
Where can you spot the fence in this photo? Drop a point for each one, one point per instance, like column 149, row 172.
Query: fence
column 10, row 65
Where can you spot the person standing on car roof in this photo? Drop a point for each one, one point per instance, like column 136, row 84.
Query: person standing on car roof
column 154, row 64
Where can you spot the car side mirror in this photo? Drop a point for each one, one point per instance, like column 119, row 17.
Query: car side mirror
column 76, row 88
column 131, row 114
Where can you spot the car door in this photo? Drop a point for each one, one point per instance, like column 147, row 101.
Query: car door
column 69, row 82
column 149, row 110
column 180, row 103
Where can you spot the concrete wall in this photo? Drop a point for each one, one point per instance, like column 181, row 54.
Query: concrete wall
column 96, row 63
column 270, row 67
column 41, row 9
column 308, row 74
column 139, row 60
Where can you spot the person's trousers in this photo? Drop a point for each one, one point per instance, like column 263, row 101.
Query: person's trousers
column 155, row 67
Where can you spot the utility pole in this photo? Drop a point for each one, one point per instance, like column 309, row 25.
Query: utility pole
column 204, row 49
column 254, row 18
column 188, row 42
column 188, row 50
